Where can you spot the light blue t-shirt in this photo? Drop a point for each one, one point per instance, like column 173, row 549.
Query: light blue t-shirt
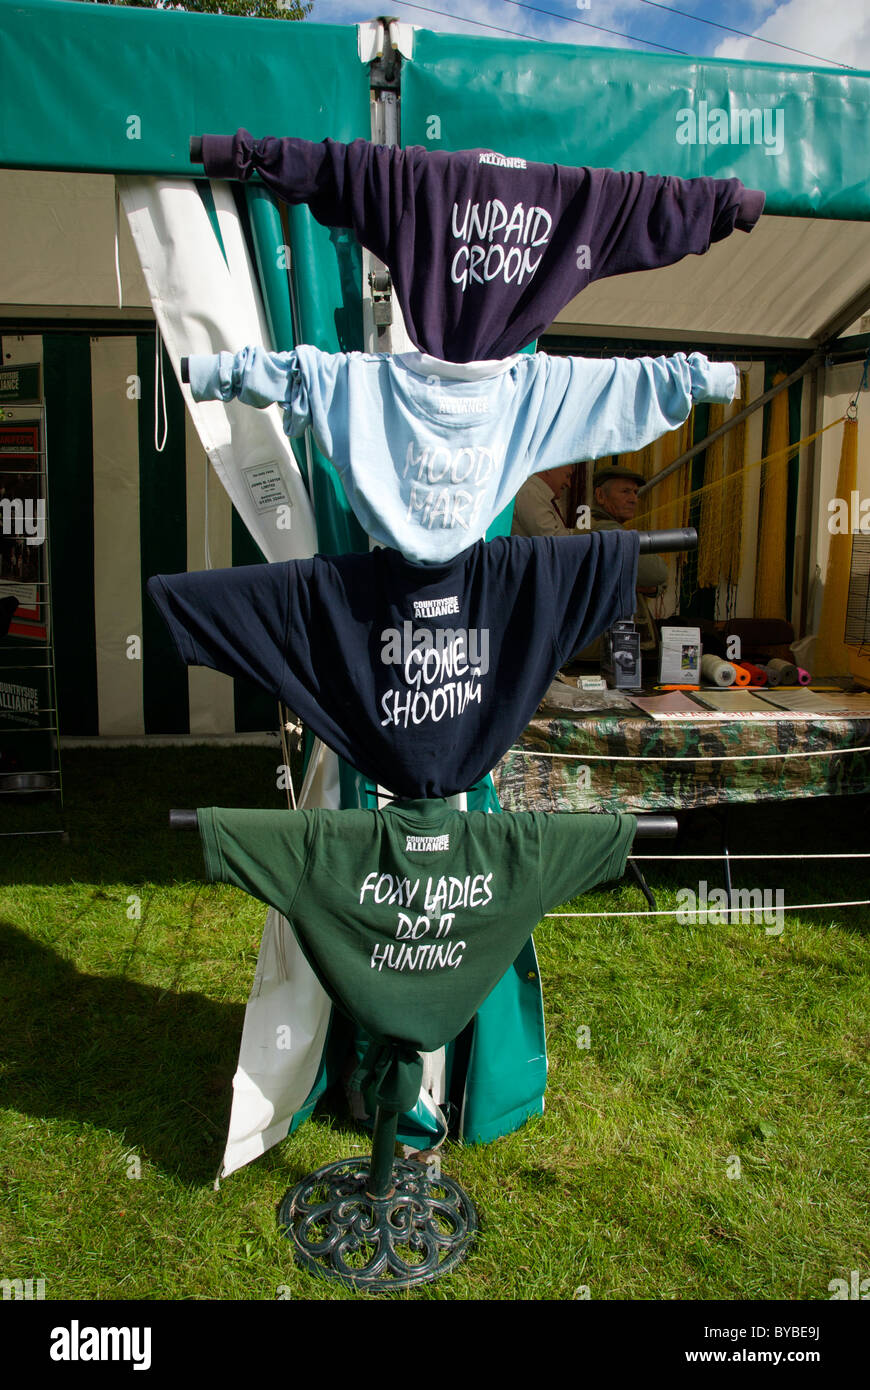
column 429, row 452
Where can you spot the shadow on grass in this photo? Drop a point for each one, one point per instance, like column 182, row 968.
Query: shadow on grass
column 153, row 1066
column 815, row 826
column 116, row 810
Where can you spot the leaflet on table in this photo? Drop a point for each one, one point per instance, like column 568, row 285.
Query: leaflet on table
column 812, row 702
column 680, row 662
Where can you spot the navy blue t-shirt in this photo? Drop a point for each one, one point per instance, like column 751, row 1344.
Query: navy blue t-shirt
column 420, row 676
column 484, row 250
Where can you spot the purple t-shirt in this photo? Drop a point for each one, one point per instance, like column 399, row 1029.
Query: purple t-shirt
column 485, row 250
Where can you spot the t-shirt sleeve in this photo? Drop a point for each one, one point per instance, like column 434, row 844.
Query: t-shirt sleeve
column 592, row 581
column 652, row 572
column 233, row 620
column 263, row 852
column 642, row 221
column 255, row 377
column 589, row 409
column 360, row 185
column 579, row 850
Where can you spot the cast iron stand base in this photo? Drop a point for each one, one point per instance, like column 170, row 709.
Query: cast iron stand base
column 380, row 1223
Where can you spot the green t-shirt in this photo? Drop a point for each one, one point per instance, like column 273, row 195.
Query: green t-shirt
column 409, row 916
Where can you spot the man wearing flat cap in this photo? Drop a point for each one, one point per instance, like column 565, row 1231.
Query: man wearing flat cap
column 538, row 512
column 614, row 491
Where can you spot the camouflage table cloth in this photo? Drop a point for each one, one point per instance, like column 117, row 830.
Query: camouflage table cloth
column 589, row 781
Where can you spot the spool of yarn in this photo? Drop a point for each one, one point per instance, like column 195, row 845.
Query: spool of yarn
column 718, row 672
column 781, row 672
column 757, row 674
column 804, row 677
column 742, row 677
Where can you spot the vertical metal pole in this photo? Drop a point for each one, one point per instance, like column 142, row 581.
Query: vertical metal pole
column 383, row 1149
column 385, row 130
column 811, row 515
column 726, row 867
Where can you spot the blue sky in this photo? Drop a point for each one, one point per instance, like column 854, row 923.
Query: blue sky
column 833, row 31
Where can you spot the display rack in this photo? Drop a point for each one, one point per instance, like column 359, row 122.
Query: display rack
column 30, row 772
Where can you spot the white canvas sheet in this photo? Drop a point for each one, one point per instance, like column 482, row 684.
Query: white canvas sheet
column 205, row 303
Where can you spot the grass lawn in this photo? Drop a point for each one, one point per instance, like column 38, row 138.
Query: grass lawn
column 705, row 1134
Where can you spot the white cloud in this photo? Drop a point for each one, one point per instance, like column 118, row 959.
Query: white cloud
column 456, row 16
column 834, row 29
column 511, row 18
column 838, row 30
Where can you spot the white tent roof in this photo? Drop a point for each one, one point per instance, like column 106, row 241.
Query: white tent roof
column 782, row 285
column 58, row 237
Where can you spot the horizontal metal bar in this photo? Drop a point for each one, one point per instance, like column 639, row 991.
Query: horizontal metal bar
column 811, row 362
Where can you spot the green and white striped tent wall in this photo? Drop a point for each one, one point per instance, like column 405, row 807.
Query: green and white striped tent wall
column 120, row 511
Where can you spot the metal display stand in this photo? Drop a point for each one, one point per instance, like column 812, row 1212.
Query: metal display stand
column 28, row 683
column 381, row 1223
column 400, row 1226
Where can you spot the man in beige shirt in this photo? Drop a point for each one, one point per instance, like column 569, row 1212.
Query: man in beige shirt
column 537, row 512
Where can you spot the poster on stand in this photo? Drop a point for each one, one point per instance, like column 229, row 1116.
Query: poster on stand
column 23, row 524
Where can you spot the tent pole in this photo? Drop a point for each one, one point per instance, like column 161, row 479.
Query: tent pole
column 811, row 509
